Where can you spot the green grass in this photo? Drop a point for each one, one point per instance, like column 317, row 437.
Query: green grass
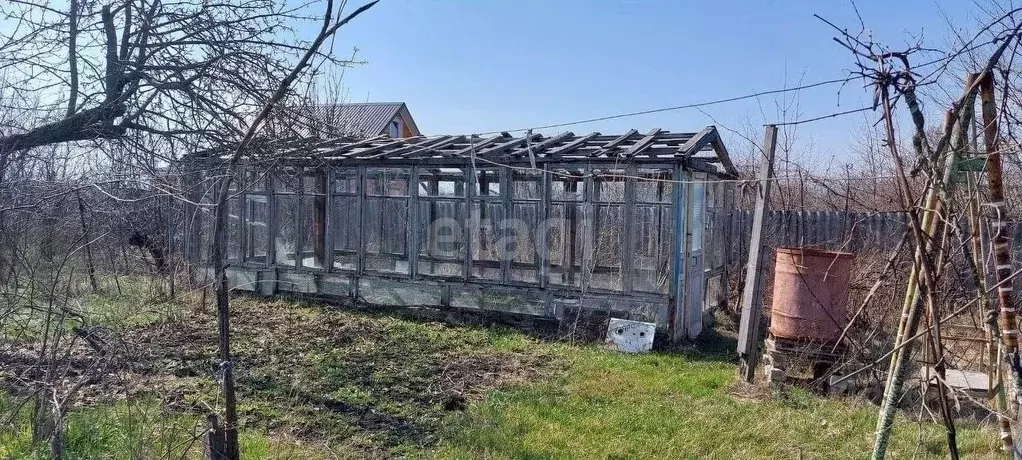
column 615, row 406
column 141, row 429
column 123, row 303
column 338, row 383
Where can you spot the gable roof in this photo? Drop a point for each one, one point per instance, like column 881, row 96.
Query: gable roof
column 358, row 119
column 701, row 151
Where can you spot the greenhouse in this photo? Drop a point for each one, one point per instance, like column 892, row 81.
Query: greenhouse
column 535, row 225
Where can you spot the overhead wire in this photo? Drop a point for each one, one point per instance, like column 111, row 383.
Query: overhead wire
column 676, row 107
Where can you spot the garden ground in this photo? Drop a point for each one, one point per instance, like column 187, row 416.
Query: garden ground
column 357, row 382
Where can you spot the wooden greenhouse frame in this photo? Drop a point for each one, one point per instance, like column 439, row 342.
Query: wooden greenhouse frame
column 533, row 224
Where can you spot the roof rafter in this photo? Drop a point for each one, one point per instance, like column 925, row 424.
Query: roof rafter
column 612, row 145
column 704, row 150
column 698, row 141
column 642, row 143
column 573, row 145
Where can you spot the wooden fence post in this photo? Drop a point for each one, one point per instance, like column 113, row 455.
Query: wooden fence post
column 748, row 334
column 214, row 444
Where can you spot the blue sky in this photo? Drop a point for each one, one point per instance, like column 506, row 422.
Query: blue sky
column 477, row 66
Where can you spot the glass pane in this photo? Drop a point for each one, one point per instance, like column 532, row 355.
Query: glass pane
column 235, row 180
column 285, row 180
column 254, row 180
column 286, row 218
column 446, row 182
column 653, row 260
column 206, row 220
column 256, row 230
column 233, row 229
column 527, row 185
column 610, row 187
column 566, row 189
column 346, row 181
column 313, row 181
column 386, row 227
column 346, row 261
column 313, row 230
column 486, row 239
column 696, row 212
column 525, row 256
column 386, row 264
column 345, row 227
column 610, row 245
column 441, row 237
column 655, row 186
column 387, row 182
column 565, row 236
column 487, row 182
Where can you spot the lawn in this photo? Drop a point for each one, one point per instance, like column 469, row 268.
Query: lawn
column 327, row 382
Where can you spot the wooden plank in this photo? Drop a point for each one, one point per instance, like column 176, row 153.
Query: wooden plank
column 479, row 145
column 628, row 257
column 544, row 216
column 588, row 237
column 676, row 317
column 973, row 382
column 748, row 335
column 499, row 148
column 701, row 166
column 470, row 192
column 384, row 148
column 613, row 145
column 243, row 217
column 503, row 227
column 642, row 144
column 572, row 146
column 361, row 261
column 414, row 223
column 271, row 220
column 298, row 238
column 697, row 142
column 538, row 148
column 429, row 150
column 346, row 147
column 328, row 243
column 723, row 156
column 376, row 151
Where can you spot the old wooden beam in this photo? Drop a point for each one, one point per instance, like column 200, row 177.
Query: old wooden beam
column 331, row 218
column 628, row 257
column 611, row 146
column 748, row 334
column 642, row 143
column 414, row 224
column 503, row 227
column 572, row 146
column 544, row 144
column 697, row 142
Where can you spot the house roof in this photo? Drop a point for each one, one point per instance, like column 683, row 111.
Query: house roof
column 702, row 151
column 359, row 119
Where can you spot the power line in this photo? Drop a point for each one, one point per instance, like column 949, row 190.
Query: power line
column 677, row 107
column 823, row 117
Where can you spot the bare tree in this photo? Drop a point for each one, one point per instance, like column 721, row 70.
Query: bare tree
column 114, row 92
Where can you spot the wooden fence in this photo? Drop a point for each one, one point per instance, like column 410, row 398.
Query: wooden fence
column 835, row 230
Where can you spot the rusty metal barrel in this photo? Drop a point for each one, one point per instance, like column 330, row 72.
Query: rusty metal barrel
column 810, row 294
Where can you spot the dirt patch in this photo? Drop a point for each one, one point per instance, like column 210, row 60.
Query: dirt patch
column 351, row 379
